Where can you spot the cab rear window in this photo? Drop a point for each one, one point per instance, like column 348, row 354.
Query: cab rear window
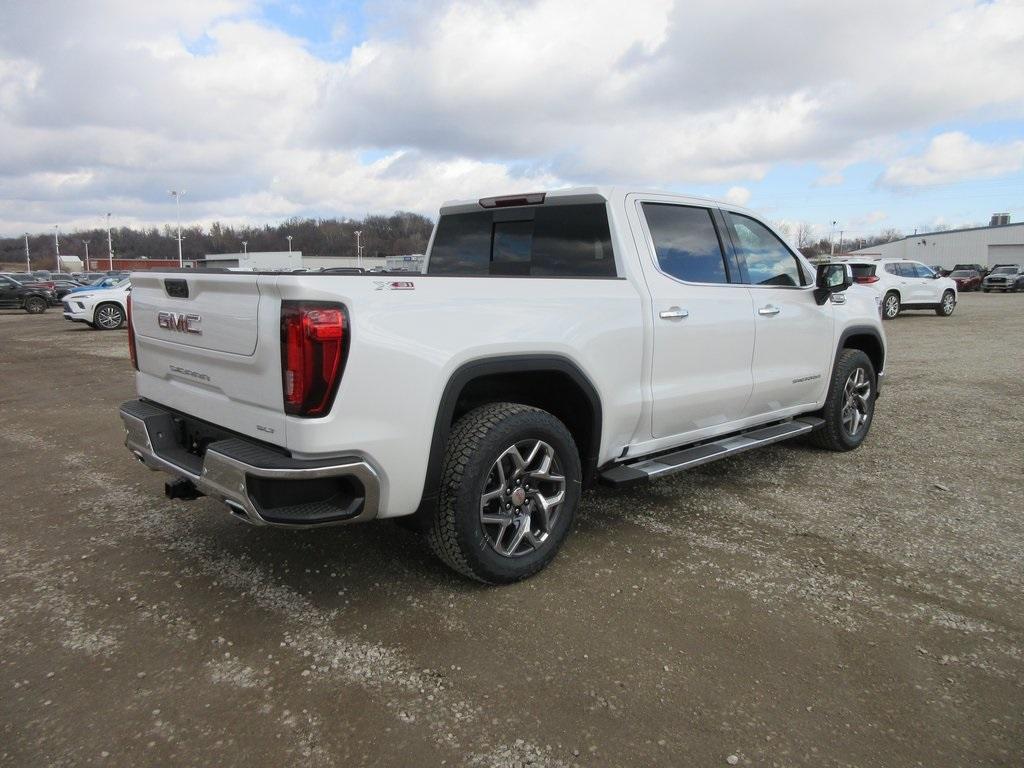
column 548, row 241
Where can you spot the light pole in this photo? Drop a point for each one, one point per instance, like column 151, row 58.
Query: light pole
column 359, row 248
column 840, row 242
column 245, row 246
column 289, row 243
column 831, row 239
column 86, row 244
column 28, row 260
column 110, row 246
column 56, row 244
column 176, row 194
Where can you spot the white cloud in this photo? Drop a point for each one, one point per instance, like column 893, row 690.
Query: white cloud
column 952, row 157
column 104, row 107
column 737, row 195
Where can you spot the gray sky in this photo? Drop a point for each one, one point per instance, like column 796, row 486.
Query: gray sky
column 873, row 113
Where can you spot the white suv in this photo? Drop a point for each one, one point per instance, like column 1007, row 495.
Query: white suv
column 105, row 309
column 905, row 285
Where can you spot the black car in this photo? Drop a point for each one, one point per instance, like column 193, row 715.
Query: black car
column 15, row 295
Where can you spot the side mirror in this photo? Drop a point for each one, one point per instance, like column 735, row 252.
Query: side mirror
column 832, row 278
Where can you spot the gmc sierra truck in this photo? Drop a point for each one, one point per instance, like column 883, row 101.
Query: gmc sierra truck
column 553, row 340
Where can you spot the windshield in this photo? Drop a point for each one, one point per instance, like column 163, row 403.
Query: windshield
column 961, row 273
column 1004, row 271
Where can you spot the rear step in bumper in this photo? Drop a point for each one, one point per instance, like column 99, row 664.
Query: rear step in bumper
column 677, row 461
column 257, row 484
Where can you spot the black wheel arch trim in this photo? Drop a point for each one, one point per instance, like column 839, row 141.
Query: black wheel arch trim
column 488, row 366
column 862, row 330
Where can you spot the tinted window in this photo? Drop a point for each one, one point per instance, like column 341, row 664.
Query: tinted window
column 863, row 270
column 769, row 262
column 891, row 269
column 686, row 242
column 552, row 241
column 905, row 269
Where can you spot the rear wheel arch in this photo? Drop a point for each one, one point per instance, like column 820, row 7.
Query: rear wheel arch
column 550, row 382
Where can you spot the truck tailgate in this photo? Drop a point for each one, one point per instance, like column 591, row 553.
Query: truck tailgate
column 197, row 338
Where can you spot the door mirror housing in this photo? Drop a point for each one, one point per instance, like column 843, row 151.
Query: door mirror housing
column 834, row 277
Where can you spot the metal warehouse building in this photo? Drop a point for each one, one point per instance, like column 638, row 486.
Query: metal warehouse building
column 995, row 244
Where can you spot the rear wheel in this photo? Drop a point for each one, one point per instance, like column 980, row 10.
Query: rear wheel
column 109, row 317
column 849, row 405
column 947, row 305
column 35, row 305
column 510, row 485
column 891, row 305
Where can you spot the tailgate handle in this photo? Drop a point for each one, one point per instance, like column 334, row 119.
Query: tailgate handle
column 176, row 288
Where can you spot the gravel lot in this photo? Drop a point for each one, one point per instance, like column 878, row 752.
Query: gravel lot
column 786, row 607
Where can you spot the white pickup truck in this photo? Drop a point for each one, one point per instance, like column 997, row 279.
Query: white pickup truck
column 553, row 340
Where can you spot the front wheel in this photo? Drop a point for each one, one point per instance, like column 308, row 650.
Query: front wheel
column 850, row 403
column 35, row 305
column 510, row 484
column 947, row 305
column 891, row 305
column 109, row 317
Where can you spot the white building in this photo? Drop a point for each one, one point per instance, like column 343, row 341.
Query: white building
column 999, row 244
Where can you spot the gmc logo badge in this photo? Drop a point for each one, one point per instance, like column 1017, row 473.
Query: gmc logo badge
column 175, row 321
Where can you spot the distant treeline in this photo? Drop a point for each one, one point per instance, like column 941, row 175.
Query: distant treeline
column 398, row 234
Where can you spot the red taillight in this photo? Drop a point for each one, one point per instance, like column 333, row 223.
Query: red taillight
column 867, row 279
column 131, row 334
column 314, row 341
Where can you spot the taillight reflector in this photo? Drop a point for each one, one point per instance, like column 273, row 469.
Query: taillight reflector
column 131, row 334
column 314, row 343
column 867, row 279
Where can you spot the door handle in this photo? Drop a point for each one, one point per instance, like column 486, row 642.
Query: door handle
column 769, row 309
column 673, row 313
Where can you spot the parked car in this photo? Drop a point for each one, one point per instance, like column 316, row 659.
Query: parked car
column 32, row 298
column 966, row 279
column 103, row 282
column 981, row 269
column 1008, row 277
column 940, row 269
column 104, row 309
column 901, row 285
column 556, row 339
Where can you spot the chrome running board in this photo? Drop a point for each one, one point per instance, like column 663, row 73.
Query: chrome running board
column 643, row 469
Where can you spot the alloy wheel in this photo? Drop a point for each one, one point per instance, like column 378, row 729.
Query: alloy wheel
column 892, row 306
column 948, row 303
column 522, row 498
column 856, row 402
column 108, row 317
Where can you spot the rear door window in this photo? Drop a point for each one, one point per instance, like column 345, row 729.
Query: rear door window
column 686, row 242
column 548, row 241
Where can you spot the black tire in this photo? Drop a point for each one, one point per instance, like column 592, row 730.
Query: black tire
column 478, row 445
column 108, row 317
column 836, row 435
column 35, row 305
column 986, row 290
column 890, row 305
column 948, row 304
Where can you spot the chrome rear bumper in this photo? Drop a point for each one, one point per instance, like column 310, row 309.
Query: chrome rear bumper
column 259, row 485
